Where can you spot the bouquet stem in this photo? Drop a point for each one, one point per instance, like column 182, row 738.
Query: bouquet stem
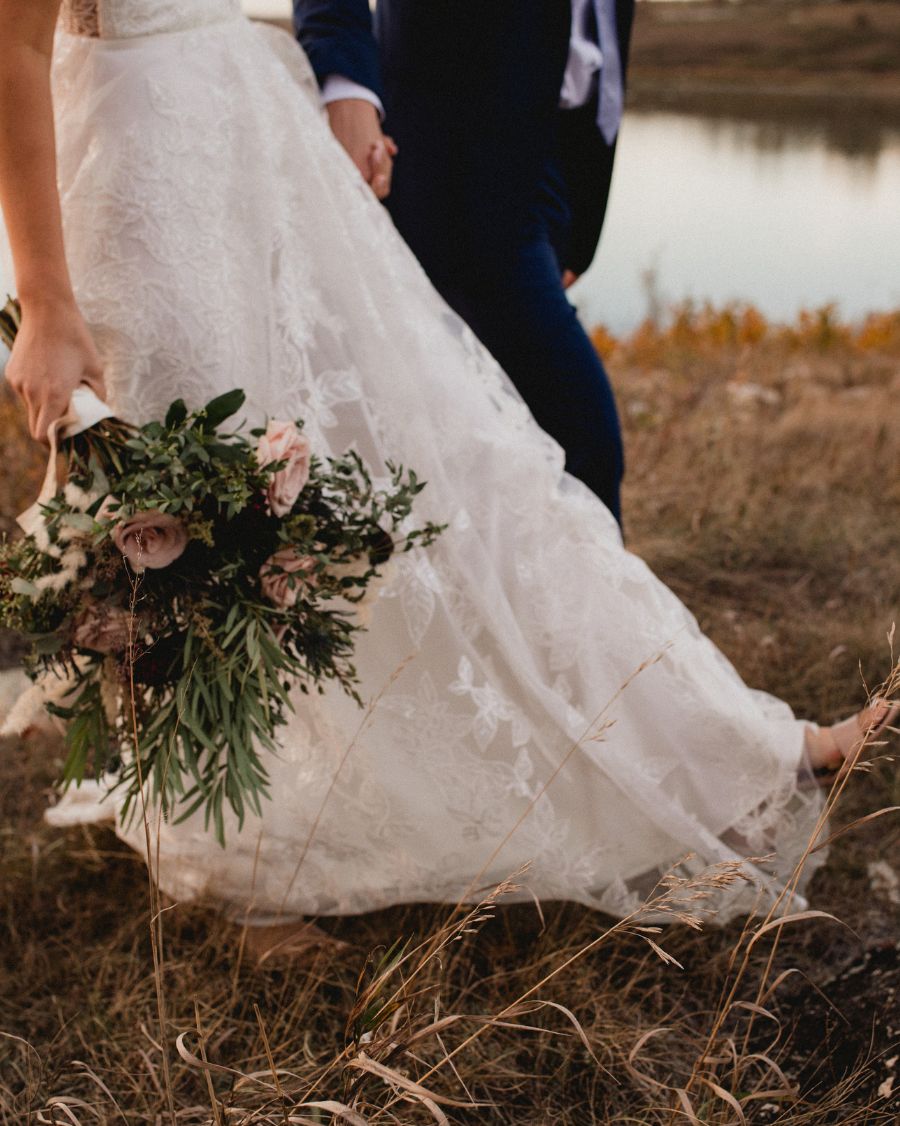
column 10, row 320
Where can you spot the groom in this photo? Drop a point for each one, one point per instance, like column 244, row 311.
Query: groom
column 506, row 114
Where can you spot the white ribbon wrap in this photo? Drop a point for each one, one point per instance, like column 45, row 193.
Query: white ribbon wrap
column 86, row 409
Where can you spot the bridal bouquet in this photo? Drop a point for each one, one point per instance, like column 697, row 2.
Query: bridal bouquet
column 181, row 582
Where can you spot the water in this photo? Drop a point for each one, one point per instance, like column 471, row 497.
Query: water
column 784, row 215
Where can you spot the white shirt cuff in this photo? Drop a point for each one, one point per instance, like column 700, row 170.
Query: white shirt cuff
column 336, row 87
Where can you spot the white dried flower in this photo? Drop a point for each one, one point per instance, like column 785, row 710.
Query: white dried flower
column 42, row 538
column 50, row 688
column 24, row 712
column 79, row 498
column 55, row 580
column 74, row 559
column 71, row 560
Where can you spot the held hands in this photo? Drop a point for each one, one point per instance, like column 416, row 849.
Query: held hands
column 356, row 125
column 52, row 355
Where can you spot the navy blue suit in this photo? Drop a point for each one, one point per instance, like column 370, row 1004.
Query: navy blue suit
column 495, row 189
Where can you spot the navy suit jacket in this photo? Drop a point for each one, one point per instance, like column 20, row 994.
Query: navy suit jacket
column 471, row 91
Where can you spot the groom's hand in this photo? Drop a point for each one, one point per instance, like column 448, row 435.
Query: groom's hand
column 356, row 124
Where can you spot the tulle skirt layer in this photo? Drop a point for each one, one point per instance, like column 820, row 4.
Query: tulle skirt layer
column 538, row 699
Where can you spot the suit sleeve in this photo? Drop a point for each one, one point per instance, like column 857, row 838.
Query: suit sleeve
column 588, row 163
column 338, row 38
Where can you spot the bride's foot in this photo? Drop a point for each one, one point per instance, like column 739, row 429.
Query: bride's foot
column 832, row 749
column 287, row 941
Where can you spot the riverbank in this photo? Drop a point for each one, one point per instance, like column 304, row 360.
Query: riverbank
column 771, row 57
column 819, row 62
column 762, row 488
column 694, row 54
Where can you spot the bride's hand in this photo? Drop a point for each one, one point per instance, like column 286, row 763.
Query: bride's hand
column 53, row 354
column 356, row 124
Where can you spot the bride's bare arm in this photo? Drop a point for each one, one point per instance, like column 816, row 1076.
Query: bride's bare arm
column 54, row 351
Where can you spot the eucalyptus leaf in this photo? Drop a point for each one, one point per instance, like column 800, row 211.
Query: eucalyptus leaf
column 176, row 414
column 221, row 408
column 211, row 690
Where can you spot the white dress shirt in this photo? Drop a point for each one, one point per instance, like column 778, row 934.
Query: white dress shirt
column 336, row 87
column 585, row 58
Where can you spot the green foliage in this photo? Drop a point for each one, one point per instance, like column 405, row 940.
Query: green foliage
column 183, row 692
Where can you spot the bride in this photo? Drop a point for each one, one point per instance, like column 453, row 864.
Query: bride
column 187, row 225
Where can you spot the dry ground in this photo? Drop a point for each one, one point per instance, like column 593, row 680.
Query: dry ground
column 764, row 487
column 818, row 48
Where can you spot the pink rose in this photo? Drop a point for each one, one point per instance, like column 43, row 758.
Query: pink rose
column 281, row 576
column 282, row 441
column 105, row 629
column 150, row 539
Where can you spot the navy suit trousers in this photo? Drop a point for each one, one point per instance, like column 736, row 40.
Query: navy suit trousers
column 509, row 290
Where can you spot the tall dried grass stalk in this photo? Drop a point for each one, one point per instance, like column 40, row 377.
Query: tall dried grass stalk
column 761, row 490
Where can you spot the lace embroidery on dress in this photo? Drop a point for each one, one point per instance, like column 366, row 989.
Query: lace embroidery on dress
column 128, row 19
column 199, row 174
column 81, row 17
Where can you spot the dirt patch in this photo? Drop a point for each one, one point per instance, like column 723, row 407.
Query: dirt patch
column 766, row 49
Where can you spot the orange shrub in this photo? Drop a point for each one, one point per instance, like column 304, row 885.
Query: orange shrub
column 604, row 341
column 880, row 332
column 692, row 331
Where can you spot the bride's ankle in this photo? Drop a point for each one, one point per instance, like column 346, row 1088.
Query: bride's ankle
column 830, row 750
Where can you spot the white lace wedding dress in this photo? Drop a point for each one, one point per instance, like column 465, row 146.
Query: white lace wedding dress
column 538, row 696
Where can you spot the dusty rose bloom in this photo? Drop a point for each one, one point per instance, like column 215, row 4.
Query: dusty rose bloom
column 150, row 539
column 275, row 576
column 102, row 628
column 282, row 441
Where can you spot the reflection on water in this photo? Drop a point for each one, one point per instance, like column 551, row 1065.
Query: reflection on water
column 784, row 213
column 776, row 213
column 854, row 126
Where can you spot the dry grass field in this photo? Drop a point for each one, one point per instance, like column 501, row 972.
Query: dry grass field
column 764, row 486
